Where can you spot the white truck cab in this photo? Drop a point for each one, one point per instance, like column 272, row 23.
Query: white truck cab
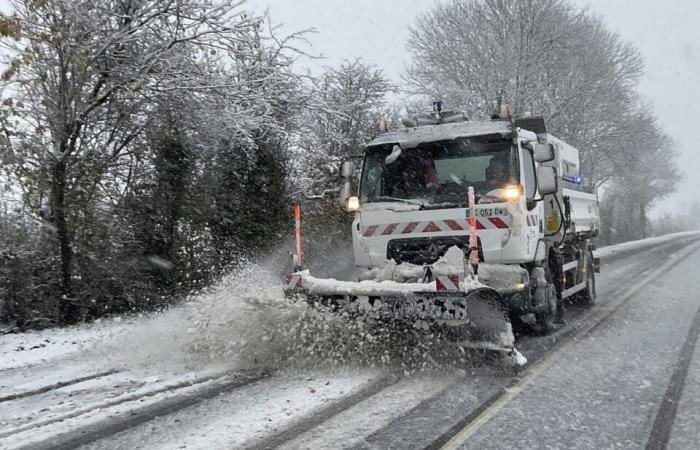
column 413, row 194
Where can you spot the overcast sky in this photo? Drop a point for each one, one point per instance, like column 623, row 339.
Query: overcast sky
column 666, row 33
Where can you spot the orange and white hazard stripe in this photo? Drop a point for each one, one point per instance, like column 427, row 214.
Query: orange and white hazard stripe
column 473, row 238
column 446, row 283
column 294, row 281
column 297, row 235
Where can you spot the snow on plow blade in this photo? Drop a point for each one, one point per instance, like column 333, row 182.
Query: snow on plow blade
column 466, row 312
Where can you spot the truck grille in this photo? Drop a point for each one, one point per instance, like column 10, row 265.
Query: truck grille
column 424, row 250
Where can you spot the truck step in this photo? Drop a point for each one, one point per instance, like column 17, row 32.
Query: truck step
column 572, row 290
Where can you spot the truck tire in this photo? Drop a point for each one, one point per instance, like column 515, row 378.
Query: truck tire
column 587, row 297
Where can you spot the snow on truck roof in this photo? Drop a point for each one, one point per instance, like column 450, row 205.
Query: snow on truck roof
column 412, row 137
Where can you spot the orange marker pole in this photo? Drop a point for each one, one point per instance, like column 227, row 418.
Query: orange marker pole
column 297, row 235
column 473, row 242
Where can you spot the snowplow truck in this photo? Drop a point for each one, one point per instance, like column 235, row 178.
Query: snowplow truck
column 464, row 227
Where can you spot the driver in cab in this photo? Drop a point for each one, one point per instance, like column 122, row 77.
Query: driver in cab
column 496, row 173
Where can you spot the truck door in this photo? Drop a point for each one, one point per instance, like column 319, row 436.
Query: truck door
column 533, row 219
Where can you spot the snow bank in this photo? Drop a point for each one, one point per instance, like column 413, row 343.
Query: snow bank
column 135, row 343
column 118, row 340
column 611, row 251
column 33, row 347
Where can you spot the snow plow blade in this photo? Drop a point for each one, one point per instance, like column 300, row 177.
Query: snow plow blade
column 470, row 316
column 487, row 326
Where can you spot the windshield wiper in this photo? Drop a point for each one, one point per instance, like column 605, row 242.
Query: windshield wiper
column 395, row 199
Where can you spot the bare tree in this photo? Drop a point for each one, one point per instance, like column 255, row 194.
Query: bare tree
column 551, row 58
column 650, row 174
column 541, row 57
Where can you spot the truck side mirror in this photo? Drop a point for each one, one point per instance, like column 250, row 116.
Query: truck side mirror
column 547, row 181
column 543, row 152
column 346, row 169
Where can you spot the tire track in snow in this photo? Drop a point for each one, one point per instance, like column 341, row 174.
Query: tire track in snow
column 321, row 415
column 214, row 385
column 457, row 406
column 113, row 425
column 58, row 385
column 661, row 431
column 442, row 410
column 578, row 330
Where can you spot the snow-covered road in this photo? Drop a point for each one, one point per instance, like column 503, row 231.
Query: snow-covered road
column 229, row 372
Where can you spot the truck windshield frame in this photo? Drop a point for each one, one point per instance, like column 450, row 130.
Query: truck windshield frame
column 439, row 173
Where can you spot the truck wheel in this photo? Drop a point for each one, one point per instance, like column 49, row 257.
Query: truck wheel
column 587, row 297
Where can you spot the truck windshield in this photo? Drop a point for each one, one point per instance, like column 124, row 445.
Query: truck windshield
column 438, row 172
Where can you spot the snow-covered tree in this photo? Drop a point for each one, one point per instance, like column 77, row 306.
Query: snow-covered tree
column 86, row 78
column 344, row 104
column 339, row 116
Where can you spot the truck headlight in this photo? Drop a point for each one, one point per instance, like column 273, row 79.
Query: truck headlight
column 511, row 192
column 352, row 204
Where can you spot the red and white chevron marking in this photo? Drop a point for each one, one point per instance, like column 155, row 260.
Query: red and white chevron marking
column 532, row 220
column 431, row 226
column 446, row 283
column 294, row 281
